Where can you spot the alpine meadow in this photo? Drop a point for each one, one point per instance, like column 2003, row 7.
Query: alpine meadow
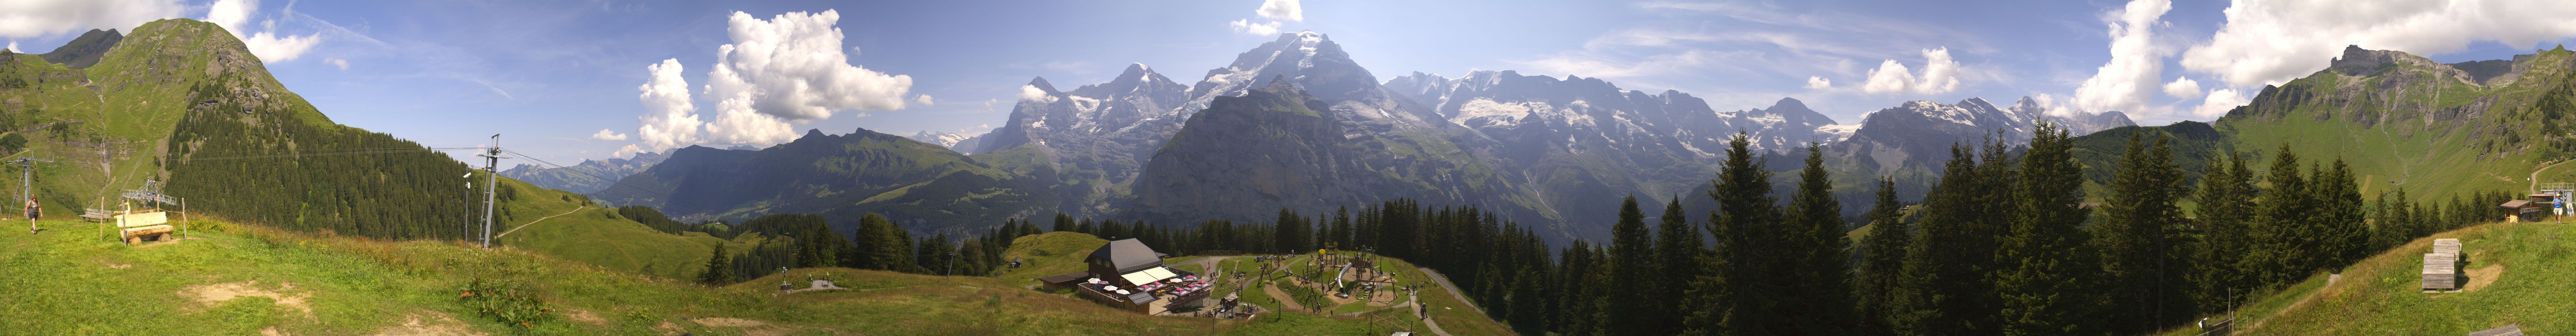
column 1700, row 167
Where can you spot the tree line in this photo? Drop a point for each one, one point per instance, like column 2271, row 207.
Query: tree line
column 2004, row 244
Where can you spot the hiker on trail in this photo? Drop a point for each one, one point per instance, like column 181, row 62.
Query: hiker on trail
column 33, row 211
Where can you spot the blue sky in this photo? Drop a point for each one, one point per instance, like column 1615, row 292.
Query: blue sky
column 552, row 75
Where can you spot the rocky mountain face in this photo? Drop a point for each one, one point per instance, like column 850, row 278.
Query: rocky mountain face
column 926, row 187
column 1092, row 140
column 85, row 50
column 1580, row 140
column 590, row 176
column 1401, row 149
column 957, row 142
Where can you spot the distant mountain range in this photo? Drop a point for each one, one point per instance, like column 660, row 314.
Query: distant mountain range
column 590, row 176
column 1294, row 123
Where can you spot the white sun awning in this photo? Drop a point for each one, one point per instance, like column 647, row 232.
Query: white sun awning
column 1161, row 273
column 1139, row 278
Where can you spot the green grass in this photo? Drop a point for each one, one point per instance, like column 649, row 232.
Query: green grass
column 1048, row 254
column 68, row 282
column 2379, row 296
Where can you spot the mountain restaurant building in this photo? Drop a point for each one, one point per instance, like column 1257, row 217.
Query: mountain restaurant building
column 1127, row 275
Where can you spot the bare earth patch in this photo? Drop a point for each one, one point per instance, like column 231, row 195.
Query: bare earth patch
column 211, row 295
column 749, row 327
column 435, row 324
column 584, row 316
column 668, row 328
column 2481, row 277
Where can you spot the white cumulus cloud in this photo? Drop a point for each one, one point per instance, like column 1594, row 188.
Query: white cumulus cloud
column 790, row 68
column 1033, row 93
column 1940, row 75
column 13, row 46
column 669, row 119
column 626, row 152
column 605, row 134
column 2274, row 41
column 270, row 47
column 2182, row 87
column 2129, row 79
column 2219, row 102
column 1814, row 82
column 37, row 18
column 1282, row 10
column 923, row 99
column 1247, row 27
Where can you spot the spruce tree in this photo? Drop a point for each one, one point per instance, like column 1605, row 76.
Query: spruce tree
column 1882, row 254
column 2139, row 239
column 2280, row 226
column 2347, row 237
column 1632, row 267
column 1943, row 289
column 2226, row 209
column 719, row 269
column 2045, row 282
column 1677, row 253
column 1583, row 283
column 1735, row 300
column 1819, row 281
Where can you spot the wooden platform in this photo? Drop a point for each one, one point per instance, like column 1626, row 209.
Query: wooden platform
column 2442, row 267
column 2507, row 330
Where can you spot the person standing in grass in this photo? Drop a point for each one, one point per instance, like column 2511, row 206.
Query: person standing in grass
column 32, row 212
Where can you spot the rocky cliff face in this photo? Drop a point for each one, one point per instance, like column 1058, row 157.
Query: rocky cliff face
column 1403, row 148
column 1094, row 139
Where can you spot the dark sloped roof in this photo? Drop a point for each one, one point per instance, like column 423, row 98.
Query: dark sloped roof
column 1127, row 255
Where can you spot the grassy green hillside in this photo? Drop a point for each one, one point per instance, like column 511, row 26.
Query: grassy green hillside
column 562, row 224
column 238, row 279
column 2405, row 123
column 244, row 280
column 2518, row 274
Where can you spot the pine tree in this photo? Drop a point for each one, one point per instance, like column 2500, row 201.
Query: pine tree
column 1882, row 255
column 1581, row 284
column 2347, row 238
column 2225, row 239
column 1632, row 266
column 1942, row 288
column 1064, row 222
column 1734, row 300
column 2280, row 224
column 719, row 272
column 2045, row 282
column 1677, row 254
column 2139, row 238
column 1819, row 284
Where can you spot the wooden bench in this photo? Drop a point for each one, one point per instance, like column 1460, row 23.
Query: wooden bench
column 134, row 228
